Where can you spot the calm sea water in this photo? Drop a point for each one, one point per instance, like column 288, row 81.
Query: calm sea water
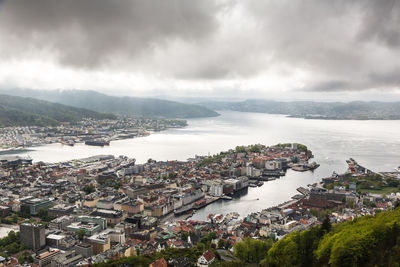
column 375, row 144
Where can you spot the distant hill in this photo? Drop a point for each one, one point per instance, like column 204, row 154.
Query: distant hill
column 357, row 110
column 132, row 106
column 22, row 111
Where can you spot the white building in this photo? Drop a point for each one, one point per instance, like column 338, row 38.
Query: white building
column 206, row 259
column 216, row 189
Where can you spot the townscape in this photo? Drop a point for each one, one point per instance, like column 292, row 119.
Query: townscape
column 89, row 131
column 86, row 211
column 199, row 133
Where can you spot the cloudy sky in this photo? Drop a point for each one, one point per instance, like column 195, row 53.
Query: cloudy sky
column 283, row 49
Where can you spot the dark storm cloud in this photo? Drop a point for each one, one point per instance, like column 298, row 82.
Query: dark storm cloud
column 330, row 86
column 93, row 32
column 340, row 45
column 381, row 21
column 372, row 80
column 388, row 78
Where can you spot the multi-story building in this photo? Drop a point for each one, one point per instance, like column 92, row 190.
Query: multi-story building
column 67, row 259
column 33, row 236
column 132, row 206
column 44, row 259
column 85, row 249
column 89, row 224
column 100, row 243
column 4, row 211
column 32, row 206
column 60, row 210
column 61, row 223
column 112, row 216
column 216, row 189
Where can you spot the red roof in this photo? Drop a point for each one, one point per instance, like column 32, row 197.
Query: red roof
column 159, row 263
column 208, row 255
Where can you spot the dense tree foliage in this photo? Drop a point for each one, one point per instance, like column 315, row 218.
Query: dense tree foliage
column 81, row 234
column 25, row 257
column 255, row 148
column 11, row 244
column 88, row 189
column 365, row 241
column 240, row 149
column 251, row 250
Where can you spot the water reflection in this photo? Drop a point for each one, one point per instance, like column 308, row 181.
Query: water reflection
column 375, row 144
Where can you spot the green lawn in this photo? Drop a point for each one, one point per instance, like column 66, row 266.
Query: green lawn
column 384, row 190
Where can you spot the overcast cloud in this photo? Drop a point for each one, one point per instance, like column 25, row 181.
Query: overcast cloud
column 212, row 48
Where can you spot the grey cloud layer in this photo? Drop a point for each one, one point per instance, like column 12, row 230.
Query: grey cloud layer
column 92, row 32
column 345, row 45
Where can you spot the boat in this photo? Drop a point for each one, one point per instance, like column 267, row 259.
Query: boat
column 300, row 168
column 97, row 143
column 68, row 143
column 305, row 167
column 313, row 165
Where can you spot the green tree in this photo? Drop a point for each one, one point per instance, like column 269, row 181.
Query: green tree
column 15, row 218
column 184, row 236
column 240, row 149
column 25, row 257
column 326, row 225
column 251, row 250
column 221, row 243
column 302, row 148
column 88, row 189
column 43, row 215
column 81, row 234
column 255, row 148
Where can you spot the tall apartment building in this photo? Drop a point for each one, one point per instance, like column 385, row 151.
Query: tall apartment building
column 33, row 236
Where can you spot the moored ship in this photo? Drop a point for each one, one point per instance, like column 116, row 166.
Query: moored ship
column 97, row 143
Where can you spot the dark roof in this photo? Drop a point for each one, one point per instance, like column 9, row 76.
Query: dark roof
column 179, row 262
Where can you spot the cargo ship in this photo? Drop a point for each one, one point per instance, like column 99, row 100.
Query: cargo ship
column 97, row 143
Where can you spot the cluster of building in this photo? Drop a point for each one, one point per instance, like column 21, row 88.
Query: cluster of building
column 87, row 129
column 107, row 207
column 104, row 207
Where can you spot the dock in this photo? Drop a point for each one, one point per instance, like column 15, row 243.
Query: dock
column 303, row 191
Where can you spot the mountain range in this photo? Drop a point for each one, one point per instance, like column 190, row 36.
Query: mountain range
column 357, row 110
column 131, row 106
column 23, row 111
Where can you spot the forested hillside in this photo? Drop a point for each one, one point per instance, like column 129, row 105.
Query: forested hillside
column 131, row 106
column 365, row 241
column 357, row 110
column 21, row 111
